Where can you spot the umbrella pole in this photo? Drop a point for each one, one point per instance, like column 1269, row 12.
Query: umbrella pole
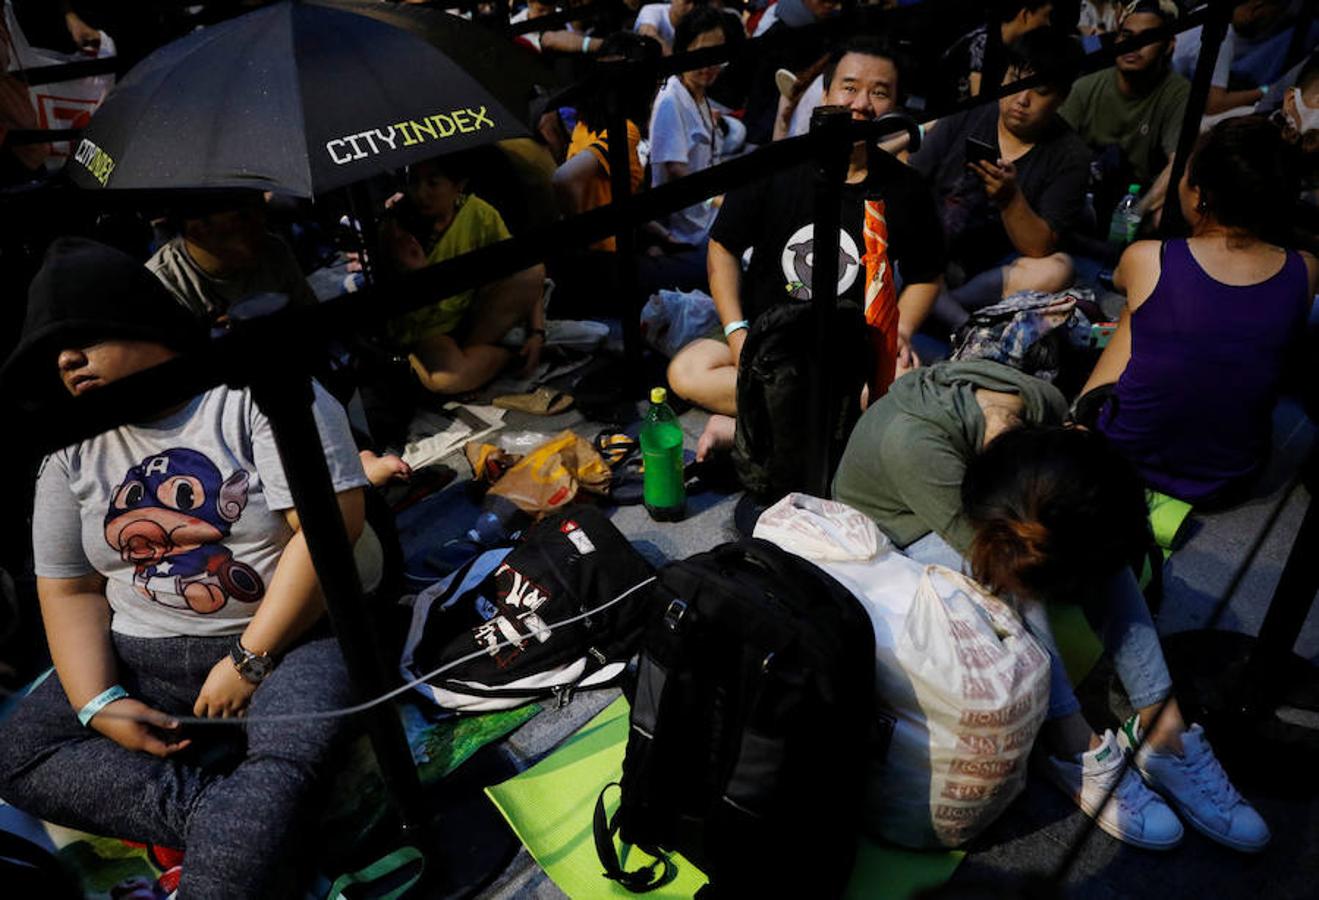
column 362, row 211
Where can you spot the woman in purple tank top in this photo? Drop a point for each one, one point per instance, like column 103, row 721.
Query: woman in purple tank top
column 1196, row 365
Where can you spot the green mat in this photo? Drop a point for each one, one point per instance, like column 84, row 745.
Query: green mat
column 1167, row 516
column 550, row 806
column 1077, row 643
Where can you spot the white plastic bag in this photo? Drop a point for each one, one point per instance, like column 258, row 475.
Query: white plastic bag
column 671, row 320
column 968, row 688
column 66, row 104
column 820, row 529
column 962, row 686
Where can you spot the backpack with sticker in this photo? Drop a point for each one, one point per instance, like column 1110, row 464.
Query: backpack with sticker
column 497, row 617
column 752, row 720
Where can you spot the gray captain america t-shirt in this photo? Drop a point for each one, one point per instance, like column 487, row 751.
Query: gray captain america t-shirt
column 182, row 515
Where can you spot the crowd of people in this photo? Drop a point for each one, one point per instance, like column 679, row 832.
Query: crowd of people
column 171, row 572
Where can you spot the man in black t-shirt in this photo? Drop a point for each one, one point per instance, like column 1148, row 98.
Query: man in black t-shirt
column 1004, row 218
column 773, row 219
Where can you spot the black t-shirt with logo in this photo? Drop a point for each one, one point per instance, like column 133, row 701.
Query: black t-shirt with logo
column 774, row 218
column 1052, row 176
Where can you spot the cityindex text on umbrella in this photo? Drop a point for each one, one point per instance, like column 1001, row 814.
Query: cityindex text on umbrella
column 96, row 160
column 436, row 127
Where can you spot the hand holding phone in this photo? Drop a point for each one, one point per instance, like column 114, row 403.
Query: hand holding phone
column 980, row 151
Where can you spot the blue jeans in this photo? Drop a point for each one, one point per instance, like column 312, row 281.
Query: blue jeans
column 239, row 819
column 1116, row 610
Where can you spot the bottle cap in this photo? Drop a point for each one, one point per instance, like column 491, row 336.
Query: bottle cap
column 1133, row 189
column 658, row 395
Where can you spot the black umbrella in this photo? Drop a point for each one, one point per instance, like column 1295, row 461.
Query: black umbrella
column 305, row 97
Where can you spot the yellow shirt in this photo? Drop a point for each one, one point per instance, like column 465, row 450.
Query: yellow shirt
column 600, row 193
column 476, row 224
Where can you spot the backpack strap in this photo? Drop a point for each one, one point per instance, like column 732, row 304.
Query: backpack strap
column 638, row 881
column 382, row 879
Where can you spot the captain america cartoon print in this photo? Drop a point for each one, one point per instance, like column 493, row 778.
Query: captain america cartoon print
column 168, row 518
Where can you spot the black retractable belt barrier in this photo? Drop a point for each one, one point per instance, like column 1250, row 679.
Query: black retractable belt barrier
column 555, row 21
column 83, row 68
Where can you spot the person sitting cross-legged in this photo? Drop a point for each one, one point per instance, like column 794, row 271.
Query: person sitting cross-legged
column 1005, row 213
column 175, row 580
column 773, row 220
column 453, row 345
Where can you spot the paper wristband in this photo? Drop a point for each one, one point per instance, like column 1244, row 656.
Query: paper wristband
column 735, row 326
column 100, row 702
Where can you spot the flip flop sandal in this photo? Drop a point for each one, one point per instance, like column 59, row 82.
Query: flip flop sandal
column 615, row 446
column 543, row 401
column 785, row 80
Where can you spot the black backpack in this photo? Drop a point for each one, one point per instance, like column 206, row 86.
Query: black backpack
column 774, row 396
column 570, row 563
column 752, row 715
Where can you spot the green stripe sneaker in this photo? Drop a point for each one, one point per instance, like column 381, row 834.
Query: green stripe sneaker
column 1198, row 788
column 1110, row 792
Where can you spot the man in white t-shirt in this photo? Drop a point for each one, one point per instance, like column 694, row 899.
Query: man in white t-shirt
column 658, row 20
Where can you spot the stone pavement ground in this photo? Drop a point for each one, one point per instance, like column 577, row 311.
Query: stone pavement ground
column 1035, row 835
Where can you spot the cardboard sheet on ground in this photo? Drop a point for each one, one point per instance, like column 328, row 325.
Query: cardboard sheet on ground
column 550, row 806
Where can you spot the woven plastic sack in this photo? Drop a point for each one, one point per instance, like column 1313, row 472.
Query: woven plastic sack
column 968, row 687
column 820, row 529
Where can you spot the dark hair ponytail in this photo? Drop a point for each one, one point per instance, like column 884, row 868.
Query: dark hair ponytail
column 1053, row 509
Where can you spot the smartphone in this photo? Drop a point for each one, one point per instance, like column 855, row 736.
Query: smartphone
column 1100, row 333
column 979, row 151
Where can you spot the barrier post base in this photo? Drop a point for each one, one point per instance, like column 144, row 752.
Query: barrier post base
column 1267, row 737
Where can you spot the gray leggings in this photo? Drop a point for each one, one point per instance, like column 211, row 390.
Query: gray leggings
column 239, row 820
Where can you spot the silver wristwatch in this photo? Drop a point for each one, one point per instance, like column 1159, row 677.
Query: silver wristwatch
column 254, row 667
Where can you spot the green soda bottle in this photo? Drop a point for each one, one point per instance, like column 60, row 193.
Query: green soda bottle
column 661, row 452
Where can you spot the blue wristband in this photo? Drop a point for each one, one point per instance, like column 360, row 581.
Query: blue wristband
column 735, row 326
column 100, row 702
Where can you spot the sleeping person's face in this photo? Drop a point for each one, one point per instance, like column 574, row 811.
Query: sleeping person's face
column 95, row 365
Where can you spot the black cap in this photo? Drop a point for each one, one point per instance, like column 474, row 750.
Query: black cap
column 87, row 292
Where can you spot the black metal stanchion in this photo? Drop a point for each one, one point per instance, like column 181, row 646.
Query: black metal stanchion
column 625, row 255
column 1257, row 698
column 284, row 394
column 829, row 128
column 1211, row 40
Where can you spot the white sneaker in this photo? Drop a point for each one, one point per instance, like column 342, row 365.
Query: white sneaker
column 1197, row 786
column 1111, row 792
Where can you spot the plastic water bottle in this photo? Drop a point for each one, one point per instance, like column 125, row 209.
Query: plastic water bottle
column 661, row 452
column 1126, row 218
